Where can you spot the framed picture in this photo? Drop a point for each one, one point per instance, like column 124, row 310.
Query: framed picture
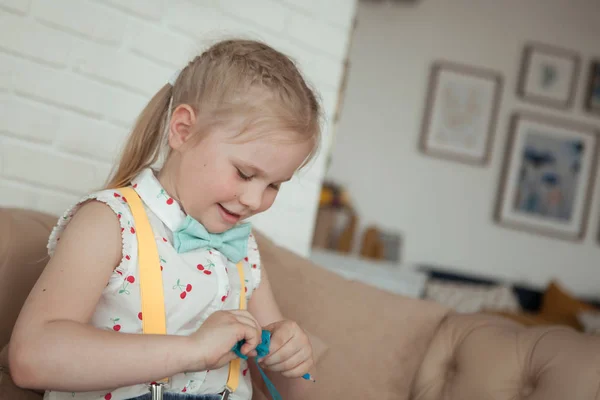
column 548, row 176
column 592, row 102
column 460, row 113
column 548, row 75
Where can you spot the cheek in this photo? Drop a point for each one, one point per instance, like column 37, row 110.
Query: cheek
column 223, row 188
column 268, row 200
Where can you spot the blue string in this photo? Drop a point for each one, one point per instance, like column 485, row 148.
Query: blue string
column 262, row 350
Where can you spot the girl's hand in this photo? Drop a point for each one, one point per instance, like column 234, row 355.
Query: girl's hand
column 290, row 352
column 216, row 337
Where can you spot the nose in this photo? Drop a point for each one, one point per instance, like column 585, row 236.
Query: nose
column 252, row 197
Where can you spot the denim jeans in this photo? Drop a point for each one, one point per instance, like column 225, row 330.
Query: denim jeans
column 180, row 396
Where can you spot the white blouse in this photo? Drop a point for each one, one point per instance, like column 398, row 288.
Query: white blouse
column 196, row 284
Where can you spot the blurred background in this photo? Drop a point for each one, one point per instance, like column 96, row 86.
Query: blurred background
column 460, row 137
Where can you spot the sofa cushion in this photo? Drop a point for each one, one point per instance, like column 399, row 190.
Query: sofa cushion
column 384, row 336
column 483, row 357
column 23, row 256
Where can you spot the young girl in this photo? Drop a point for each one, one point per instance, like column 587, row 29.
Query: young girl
column 232, row 127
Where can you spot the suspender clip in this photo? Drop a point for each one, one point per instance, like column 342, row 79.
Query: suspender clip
column 156, row 389
column 226, row 393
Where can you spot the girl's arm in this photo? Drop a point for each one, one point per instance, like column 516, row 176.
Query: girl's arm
column 264, row 308
column 54, row 347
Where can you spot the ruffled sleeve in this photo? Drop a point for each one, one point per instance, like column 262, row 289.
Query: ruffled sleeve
column 254, row 266
column 118, row 204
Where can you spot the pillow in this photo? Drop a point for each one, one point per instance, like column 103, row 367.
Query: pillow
column 470, row 298
column 590, row 320
column 527, row 318
column 561, row 305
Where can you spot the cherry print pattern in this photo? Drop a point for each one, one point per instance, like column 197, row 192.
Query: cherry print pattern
column 164, row 194
column 206, row 268
column 225, row 296
column 131, row 228
column 116, row 326
column 126, row 282
column 184, row 288
column 188, row 386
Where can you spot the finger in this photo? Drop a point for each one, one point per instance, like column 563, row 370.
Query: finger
column 249, row 319
column 280, row 344
column 251, row 338
column 247, row 314
column 281, row 354
column 299, row 370
column 227, row 358
column 298, row 357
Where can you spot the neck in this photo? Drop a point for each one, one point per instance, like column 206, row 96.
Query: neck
column 165, row 177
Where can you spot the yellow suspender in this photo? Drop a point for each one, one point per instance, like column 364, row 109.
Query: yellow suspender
column 151, row 287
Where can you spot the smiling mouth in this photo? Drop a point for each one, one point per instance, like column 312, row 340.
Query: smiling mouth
column 228, row 215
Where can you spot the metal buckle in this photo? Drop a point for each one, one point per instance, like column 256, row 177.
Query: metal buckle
column 225, row 394
column 156, row 389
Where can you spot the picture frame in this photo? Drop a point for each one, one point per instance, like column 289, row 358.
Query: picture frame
column 592, row 100
column 460, row 113
column 548, row 176
column 548, row 75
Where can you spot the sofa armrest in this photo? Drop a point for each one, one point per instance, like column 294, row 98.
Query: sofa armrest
column 10, row 391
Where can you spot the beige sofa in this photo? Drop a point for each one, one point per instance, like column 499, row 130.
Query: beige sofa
column 373, row 345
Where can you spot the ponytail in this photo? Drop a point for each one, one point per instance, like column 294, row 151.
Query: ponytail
column 219, row 82
column 144, row 144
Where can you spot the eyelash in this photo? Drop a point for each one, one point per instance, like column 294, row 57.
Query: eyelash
column 243, row 176
column 249, row 178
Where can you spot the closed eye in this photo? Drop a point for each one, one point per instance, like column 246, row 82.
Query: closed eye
column 242, row 175
column 274, row 186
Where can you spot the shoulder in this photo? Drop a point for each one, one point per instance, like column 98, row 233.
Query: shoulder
column 93, row 231
column 101, row 215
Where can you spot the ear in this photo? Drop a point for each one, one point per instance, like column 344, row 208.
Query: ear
column 181, row 125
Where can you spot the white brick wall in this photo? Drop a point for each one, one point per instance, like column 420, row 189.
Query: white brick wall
column 75, row 73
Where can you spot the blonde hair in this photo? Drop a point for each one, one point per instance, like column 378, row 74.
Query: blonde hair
column 232, row 79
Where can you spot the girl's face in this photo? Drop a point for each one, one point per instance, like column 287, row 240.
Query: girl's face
column 219, row 182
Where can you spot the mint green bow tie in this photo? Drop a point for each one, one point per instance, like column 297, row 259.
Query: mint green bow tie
column 233, row 243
